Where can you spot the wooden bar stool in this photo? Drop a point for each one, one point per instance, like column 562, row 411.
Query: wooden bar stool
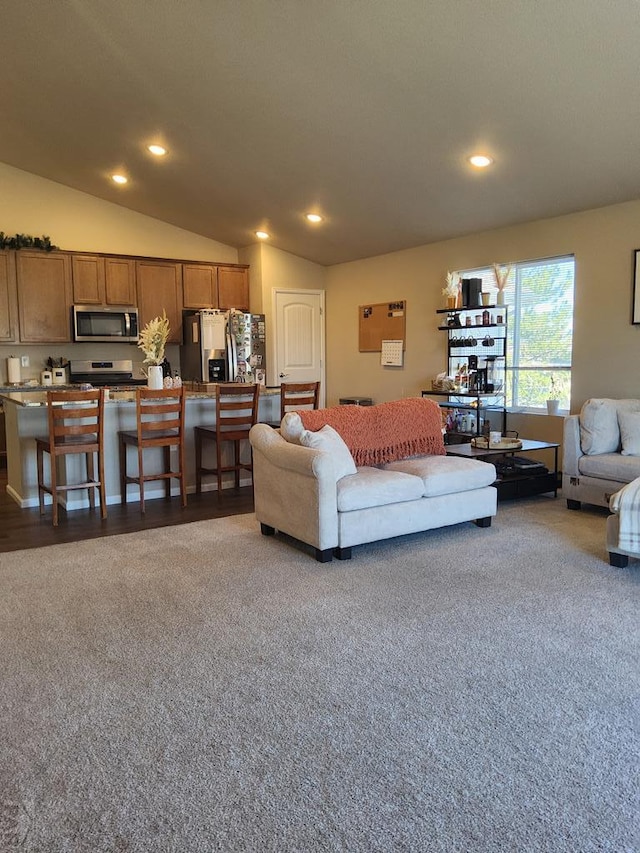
column 298, row 395
column 236, row 413
column 76, row 425
column 159, row 423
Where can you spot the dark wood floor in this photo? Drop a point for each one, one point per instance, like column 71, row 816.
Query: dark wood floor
column 26, row 528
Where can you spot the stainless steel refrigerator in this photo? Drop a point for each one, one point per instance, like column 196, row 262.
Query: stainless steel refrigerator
column 223, row 346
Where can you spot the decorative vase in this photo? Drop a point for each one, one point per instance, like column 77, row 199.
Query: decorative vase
column 500, row 298
column 154, row 377
column 552, row 407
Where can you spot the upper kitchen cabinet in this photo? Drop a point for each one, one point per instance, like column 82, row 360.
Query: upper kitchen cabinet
column 200, row 285
column 215, row 286
column 88, row 279
column 45, row 295
column 159, row 285
column 120, row 281
column 233, row 288
column 103, row 281
column 8, row 298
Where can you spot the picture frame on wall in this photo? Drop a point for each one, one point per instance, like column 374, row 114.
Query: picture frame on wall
column 635, row 317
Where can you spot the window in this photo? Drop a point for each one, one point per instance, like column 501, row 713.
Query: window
column 540, row 331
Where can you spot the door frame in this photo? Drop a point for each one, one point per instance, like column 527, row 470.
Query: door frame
column 274, row 337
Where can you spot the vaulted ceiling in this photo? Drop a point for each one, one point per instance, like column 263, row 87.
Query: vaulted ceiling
column 361, row 110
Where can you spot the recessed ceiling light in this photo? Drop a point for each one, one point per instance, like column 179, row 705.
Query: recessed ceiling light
column 158, row 150
column 119, row 179
column 480, row 161
column 313, row 217
column 262, row 235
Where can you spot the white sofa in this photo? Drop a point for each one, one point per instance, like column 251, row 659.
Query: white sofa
column 601, row 451
column 299, row 491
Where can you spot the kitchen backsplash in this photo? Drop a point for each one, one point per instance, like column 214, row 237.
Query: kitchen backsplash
column 40, row 353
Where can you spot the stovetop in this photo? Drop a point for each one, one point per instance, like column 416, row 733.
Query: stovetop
column 103, row 374
column 108, row 381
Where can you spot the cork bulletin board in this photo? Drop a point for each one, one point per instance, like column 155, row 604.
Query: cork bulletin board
column 381, row 321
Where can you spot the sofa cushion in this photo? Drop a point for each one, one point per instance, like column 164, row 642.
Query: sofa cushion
column 610, row 466
column 629, row 432
column 599, row 429
column 445, row 475
column 327, row 439
column 375, row 487
column 291, row 427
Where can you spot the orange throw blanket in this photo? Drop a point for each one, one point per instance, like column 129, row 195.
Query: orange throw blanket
column 386, row 432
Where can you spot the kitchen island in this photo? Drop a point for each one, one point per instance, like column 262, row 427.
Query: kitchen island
column 26, row 418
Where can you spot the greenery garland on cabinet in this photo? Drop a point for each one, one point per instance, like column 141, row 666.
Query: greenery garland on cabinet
column 26, row 241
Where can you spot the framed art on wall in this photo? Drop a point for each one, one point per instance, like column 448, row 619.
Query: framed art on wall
column 635, row 316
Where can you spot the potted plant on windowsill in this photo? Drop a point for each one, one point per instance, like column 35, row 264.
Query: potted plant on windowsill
column 553, row 403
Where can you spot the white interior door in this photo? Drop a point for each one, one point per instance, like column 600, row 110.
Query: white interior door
column 299, row 337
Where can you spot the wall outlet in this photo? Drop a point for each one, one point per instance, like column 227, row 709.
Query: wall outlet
column 24, row 361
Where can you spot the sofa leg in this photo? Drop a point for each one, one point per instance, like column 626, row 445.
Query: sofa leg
column 342, row 553
column 324, row 556
column 266, row 530
column 571, row 504
column 620, row 561
column 483, row 522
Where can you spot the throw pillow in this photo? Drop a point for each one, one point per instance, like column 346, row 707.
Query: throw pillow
column 329, row 440
column 599, row 431
column 630, row 433
column 291, row 427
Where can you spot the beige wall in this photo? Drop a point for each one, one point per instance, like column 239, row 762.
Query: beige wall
column 79, row 222
column 606, row 345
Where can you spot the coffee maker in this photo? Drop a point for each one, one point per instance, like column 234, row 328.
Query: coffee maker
column 471, row 292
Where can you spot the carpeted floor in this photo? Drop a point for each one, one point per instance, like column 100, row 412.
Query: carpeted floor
column 202, row 688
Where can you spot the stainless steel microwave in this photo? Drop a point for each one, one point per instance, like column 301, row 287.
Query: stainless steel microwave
column 111, row 323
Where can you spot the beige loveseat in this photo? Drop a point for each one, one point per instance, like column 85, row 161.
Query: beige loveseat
column 307, row 487
column 601, row 451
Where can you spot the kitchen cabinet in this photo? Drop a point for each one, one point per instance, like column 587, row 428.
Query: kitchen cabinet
column 45, row 295
column 159, row 287
column 99, row 280
column 88, row 279
column 200, row 285
column 8, row 298
column 120, row 281
column 215, row 286
column 233, row 288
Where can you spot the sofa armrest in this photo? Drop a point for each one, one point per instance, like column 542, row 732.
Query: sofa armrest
column 288, row 456
column 571, row 449
column 295, row 488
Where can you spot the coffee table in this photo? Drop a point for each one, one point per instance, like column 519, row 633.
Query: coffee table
column 519, row 485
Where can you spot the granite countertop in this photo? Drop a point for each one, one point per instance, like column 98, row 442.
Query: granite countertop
column 27, row 386
column 34, row 396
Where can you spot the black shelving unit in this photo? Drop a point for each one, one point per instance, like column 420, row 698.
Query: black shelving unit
column 477, row 361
